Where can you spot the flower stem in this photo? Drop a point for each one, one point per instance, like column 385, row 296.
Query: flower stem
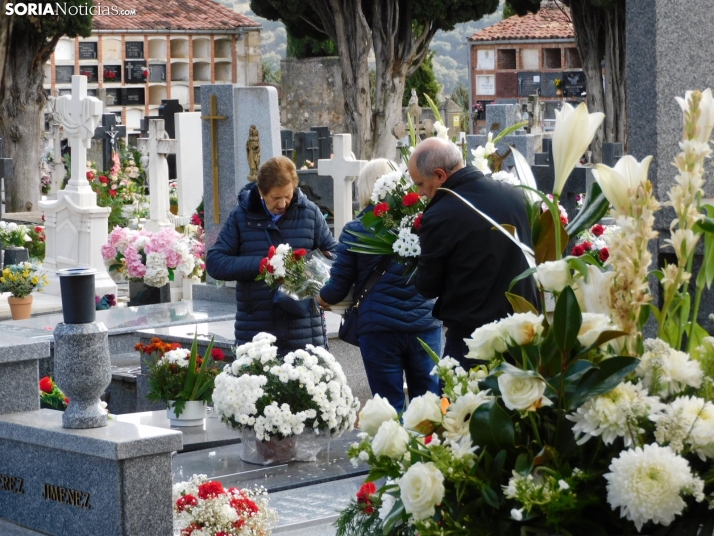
column 557, row 226
column 695, row 313
column 535, row 428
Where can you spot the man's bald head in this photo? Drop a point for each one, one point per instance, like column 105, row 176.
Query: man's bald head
column 432, row 162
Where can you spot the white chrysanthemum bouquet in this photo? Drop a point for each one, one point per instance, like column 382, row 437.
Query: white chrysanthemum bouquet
column 206, row 508
column 573, row 422
column 304, row 391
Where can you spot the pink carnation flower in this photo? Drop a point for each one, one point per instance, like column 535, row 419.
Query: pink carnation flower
column 108, row 251
column 133, row 262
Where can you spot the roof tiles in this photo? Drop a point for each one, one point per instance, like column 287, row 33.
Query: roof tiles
column 548, row 23
column 171, row 15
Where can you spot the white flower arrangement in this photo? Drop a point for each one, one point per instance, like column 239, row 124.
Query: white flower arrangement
column 273, row 396
column 388, row 183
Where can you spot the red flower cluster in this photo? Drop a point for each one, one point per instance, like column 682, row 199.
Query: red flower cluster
column 217, row 354
column 581, row 249
column 156, row 345
column 604, row 254
column 410, row 199
column 109, row 75
column 210, row 489
column 380, row 209
column 264, row 266
column 90, row 176
column 299, row 253
column 46, row 385
column 597, row 230
column 103, row 179
column 417, row 222
column 364, row 497
column 184, row 502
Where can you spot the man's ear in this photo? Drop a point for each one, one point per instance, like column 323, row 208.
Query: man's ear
column 441, row 176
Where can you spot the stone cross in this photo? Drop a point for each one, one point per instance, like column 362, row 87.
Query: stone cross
column 156, row 147
column 189, row 165
column 108, row 133
column 343, row 168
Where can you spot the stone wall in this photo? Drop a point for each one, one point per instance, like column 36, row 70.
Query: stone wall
column 312, row 94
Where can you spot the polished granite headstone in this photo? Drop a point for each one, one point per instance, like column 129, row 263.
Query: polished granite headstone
column 110, row 481
column 19, row 357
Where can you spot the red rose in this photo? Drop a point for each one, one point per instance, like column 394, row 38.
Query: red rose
column 587, row 246
column 113, row 193
column 597, row 230
column 90, row 176
column 604, row 254
column 417, row 222
column 365, row 492
column 46, row 385
column 217, row 354
column 271, row 252
column 380, row 209
column 578, row 250
column 210, row 489
column 263, row 265
column 410, row 199
column 299, row 253
column 103, row 179
column 187, row 500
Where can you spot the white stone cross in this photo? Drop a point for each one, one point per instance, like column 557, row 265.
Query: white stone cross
column 79, row 115
column 156, row 147
column 189, row 165
column 343, row 168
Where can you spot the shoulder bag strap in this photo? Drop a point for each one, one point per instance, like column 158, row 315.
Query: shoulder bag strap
column 379, row 271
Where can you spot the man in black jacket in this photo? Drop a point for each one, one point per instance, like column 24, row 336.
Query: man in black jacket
column 465, row 262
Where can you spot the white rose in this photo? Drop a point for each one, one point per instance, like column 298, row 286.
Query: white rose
column 374, row 413
column 592, row 326
column 422, row 412
column 553, row 276
column 391, row 440
column 485, row 342
column 522, row 393
column 421, row 489
column 521, row 328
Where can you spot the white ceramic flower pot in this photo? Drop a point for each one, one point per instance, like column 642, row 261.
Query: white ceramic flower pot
column 193, row 414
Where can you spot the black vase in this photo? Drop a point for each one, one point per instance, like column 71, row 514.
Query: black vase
column 15, row 255
column 142, row 294
column 77, row 290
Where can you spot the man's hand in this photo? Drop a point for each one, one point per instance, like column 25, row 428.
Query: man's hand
column 323, row 303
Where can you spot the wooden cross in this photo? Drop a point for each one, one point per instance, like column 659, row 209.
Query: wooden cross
column 214, row 157
column 343, row 168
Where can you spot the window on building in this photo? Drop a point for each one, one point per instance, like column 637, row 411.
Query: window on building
column 572, row 59
column 552, row 58
column 506, row 58
column 530, row 59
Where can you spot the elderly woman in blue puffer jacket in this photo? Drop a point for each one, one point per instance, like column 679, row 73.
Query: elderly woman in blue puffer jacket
column 270, row 212
column 392, row 316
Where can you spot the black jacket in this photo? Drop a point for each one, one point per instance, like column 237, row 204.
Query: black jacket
column 464, row 262
column 244, row 240
column 393, row 304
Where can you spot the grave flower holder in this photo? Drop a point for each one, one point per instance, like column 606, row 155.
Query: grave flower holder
column 142, row 294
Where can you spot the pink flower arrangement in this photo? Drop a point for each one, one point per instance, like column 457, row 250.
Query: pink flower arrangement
column 151, row 257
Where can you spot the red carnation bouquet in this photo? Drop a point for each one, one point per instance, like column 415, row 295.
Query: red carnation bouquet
column 298, row 273
column 205, row 507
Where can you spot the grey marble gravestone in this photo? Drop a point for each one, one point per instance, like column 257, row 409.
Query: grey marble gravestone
column 286, row 143
column 324, row 141
column 501, row 116
column 19, row 362
column 307, row 148
column 109, row 133
column 657, row 32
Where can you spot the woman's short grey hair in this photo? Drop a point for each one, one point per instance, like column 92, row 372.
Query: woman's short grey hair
column 443, row 155
column 369, row 175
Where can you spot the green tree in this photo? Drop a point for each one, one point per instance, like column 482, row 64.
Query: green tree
column 460, row 95
column 271, row 73
column 424, row 81
column 397, row 31
column 309, row 47
column 32, row 42
column 599, row 27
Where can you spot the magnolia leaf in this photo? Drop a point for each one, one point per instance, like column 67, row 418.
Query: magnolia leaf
column 602, row 379
column 607, row 336
column 510, row 228
column 491, row 426
column 595, row 207
column 490, row 497
column 545, row 244
column 520, row 304
column 546, row 454
column 525, row 274
column 567, row 320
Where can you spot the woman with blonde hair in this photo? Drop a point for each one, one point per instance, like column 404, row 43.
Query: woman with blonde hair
column 392, row 316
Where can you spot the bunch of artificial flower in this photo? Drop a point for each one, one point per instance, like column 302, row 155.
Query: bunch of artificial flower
column 274, row 396
column 178, row 375
column 150, row 257
column 206, row 508
column 14, row 235
column 577, row 423
column 300, row 274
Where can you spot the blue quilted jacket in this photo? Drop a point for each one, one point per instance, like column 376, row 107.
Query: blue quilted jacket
column 243, row 241
column 393, row 304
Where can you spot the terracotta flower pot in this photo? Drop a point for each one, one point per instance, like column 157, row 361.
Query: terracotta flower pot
column 20, row 307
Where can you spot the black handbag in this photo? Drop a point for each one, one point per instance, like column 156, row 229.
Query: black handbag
column 348, row 326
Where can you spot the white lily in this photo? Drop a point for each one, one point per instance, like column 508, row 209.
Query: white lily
column 574, row 130
column 620, row 182
column 593, row 295
column 705, row 124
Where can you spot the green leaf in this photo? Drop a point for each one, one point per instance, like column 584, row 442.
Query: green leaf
column 394, row 515
column 595, row 208
column 490, row 496
column 516, row 372
column 525, row 274
column 607, row 336
column 705, row 225
column 524, row 464
column 520, row 304
column 699, row 334
column 431, row 353
column 544, row 245
column 567, row 320
column 506, row 131
column 603, row 379
column 491, row 426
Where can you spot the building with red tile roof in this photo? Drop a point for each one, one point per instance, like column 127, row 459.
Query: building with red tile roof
column 141, row 53
column 523, row 56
